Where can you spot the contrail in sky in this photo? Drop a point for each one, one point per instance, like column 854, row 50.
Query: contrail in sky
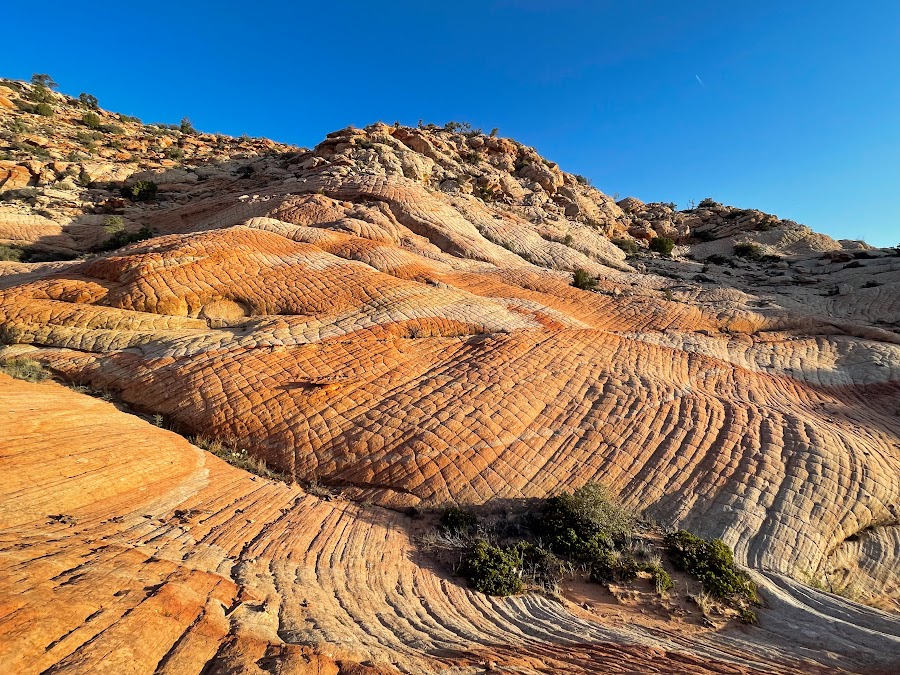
column 700, row 81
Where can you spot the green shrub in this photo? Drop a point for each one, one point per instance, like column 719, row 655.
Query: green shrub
column 41, row 94
column 186, row 127
column 24, row 369
column 614, row 566
column 11, row 253
column 462, row 128
column 712, row 563
column 493, row 570
column 44, row 109
column 541, row 567
column 174, row 152
column 24, row 106
column 709, row 203
column 583, row 280
column 628, row 245
column 583, row 523
column 113, row 224
column 459, row 521
column 748, row 250
column 88, row 101
column 43, row 80
column 121, row 237
column 661, row 579
column 112, row 129
column 662, row 245
column 141, row 191
column 91, row 120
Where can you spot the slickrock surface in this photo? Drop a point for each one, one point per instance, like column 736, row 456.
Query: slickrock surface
column 123, row 549
column 391, row 314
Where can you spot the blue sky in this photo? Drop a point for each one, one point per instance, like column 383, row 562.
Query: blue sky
column 792, row 108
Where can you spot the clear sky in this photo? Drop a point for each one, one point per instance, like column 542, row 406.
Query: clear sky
column 789, row 107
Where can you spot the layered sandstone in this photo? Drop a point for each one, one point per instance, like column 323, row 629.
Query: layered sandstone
column 391, row 314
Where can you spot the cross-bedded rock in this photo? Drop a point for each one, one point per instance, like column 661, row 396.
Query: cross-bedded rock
column 392, row 314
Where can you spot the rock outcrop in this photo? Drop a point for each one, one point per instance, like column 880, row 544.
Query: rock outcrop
column 391, row 314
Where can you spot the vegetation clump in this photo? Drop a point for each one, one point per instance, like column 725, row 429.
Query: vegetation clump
column 91, row 120
column 611, row 565
column 493, row 570
column 584, row 522
column 236, row 456
column 88, row 101
column 141, row 191
column 24, row 369
column 629, row 246
column 583, row 280
column 749, row 250
column 662, row 245
column 712, row 563
column 459, row 521
column 11, row 253
column 121, row 237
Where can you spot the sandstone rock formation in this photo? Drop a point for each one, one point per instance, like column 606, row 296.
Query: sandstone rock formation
column 125, row 549
column 391, row 314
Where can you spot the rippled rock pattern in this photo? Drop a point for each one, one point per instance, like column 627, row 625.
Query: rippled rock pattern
column 392, row 314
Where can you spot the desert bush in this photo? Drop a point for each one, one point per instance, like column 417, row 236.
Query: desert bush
column 236, row 456
column 11, row 253
column 113, row 224
column 708, row 203
column 24, row 106
column 582, row 279
column 186, row 127
column 585, row 522
column 112, row 129
column 40, row 94
column 88, row 101
column 662, row 245
column 541, row 567
column 712, row 563
column 44, row 109
column 43, row 80
column 459, row 521
column 174, row 152
column 661, row 579
column 141, row 191
column 462, row 128
column 120, row 237
column 612, row 565
column 493, row 570
column 748, row 250
column 91, row 120
column 24, row 369
column 628, row 245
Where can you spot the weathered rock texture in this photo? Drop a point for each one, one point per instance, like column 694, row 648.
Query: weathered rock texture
column 391, row 314
column 123, row 549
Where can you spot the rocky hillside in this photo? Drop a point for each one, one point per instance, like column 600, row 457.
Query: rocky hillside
column 410, row 318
